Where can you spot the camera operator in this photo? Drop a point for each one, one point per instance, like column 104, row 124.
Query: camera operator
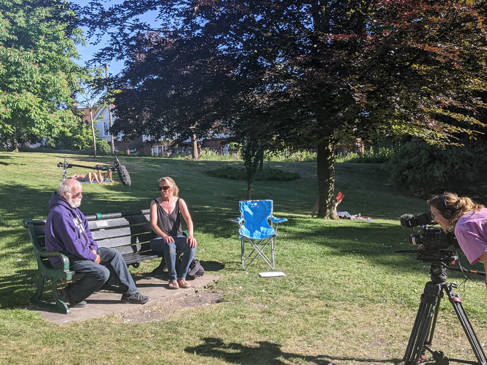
column 467, row 219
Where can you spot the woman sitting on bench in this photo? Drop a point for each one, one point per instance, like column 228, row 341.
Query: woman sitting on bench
column 165, row 219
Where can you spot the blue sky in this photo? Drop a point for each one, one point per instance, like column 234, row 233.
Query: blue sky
column 87, row 51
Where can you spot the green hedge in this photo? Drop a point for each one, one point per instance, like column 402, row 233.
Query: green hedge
column 237, row 173
column 423, row 169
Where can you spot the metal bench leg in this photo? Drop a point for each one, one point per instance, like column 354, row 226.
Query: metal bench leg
column 40, row 281
column 60, row 306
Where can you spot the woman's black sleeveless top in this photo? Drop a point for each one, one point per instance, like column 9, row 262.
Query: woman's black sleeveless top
column 169, row 223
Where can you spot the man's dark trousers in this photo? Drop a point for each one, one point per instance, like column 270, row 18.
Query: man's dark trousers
column 96, row 275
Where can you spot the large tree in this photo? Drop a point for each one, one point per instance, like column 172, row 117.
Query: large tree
column 318, row 70
column 38, row 76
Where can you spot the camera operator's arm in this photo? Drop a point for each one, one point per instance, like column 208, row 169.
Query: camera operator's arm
column 471, row 242
column 483, row 259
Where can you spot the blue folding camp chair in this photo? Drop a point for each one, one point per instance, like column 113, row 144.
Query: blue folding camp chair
column 258, row 227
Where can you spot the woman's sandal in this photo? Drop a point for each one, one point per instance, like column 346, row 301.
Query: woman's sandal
column 183, row 284
column 173, row 284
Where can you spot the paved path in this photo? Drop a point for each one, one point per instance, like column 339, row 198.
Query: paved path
column 105, row 302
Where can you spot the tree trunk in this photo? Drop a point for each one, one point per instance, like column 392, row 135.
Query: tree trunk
column 194, row 151
column 15, row 144
column 93, row 132
column 249, row 189
column 261, row 159
column 251, row 151
column 326, row 179
column 110, row 124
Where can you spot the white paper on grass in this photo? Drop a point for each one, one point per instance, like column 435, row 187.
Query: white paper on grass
column 271, row 274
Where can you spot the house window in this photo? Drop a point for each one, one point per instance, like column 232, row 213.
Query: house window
column 158, row 150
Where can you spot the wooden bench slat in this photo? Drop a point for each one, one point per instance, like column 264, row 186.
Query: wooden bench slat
column 120, row 222
column 100, row 216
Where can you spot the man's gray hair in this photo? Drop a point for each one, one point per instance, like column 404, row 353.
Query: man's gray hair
column 65, row 187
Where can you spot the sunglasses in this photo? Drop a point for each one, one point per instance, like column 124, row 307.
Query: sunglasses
column 164, row 188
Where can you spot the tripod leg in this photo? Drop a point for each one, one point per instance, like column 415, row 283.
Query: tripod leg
column 424, row 324
column 456, row 301
column 419, row 333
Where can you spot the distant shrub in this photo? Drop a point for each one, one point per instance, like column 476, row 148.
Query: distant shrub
column 423, row 169
column 383, row 154
column 291, row 156
column 102, row 147
column 238, row 173
column 210, row 155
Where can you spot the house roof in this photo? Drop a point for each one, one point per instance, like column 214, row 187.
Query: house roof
column 85, row 113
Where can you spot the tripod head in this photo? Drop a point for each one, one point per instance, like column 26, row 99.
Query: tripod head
column 439, row 272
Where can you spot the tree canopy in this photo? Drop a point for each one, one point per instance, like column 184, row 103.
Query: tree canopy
column 303, row 73
column 38, row 77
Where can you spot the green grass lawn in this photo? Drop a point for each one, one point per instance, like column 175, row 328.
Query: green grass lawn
column 347, row 297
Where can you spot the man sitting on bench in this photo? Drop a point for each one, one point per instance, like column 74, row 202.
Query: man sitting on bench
column 67, row 231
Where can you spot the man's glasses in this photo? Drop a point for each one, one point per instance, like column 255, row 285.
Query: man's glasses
column 164, row 188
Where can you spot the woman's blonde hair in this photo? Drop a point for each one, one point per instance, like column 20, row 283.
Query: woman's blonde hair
column 452, row 207
column 170, row 181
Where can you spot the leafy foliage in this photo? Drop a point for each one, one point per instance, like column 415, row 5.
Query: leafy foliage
column 38, row 77
column 75, row 137
column 300, row 73
column 423, row 169
column 266, row 174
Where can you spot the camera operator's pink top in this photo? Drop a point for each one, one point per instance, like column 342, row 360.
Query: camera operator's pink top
column 471, row 234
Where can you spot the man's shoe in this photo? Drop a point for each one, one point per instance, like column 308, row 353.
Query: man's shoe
column 136, row 298
column 81, row 304
column 66, row 299
column 183, row 284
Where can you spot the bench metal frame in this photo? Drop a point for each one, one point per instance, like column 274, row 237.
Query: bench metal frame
column 128, row 232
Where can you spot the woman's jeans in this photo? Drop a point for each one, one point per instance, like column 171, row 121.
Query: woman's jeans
column 171, row 251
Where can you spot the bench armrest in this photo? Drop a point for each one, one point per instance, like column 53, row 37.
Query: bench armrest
column 63, row 257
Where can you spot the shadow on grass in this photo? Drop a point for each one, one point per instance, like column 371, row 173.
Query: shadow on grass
column 266, row 353
column 17, row 288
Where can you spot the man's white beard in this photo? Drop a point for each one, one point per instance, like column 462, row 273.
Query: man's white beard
column 74, row 203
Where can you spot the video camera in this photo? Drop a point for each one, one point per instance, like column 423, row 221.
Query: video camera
column 433, row 243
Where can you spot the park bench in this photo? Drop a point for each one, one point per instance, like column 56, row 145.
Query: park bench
column 129, row 232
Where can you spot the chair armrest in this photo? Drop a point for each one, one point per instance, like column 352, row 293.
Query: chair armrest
column 277, row 220
column 59, row 254
column 238, row 220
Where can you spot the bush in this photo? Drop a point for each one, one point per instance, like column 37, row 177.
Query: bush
column 423, row 169
column 238, row 173
column 102, row 147
column 210, row 155
column 291, row 156
column 383, row 154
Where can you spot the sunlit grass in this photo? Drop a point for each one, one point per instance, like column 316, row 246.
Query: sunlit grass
column 346, row 297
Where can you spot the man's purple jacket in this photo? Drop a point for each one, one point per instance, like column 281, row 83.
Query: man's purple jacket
column 67, row 231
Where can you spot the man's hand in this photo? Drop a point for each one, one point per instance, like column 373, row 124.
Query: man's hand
column 98, row 259
column 192, row 241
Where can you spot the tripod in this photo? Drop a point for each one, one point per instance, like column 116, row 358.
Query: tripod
column 424, row 326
